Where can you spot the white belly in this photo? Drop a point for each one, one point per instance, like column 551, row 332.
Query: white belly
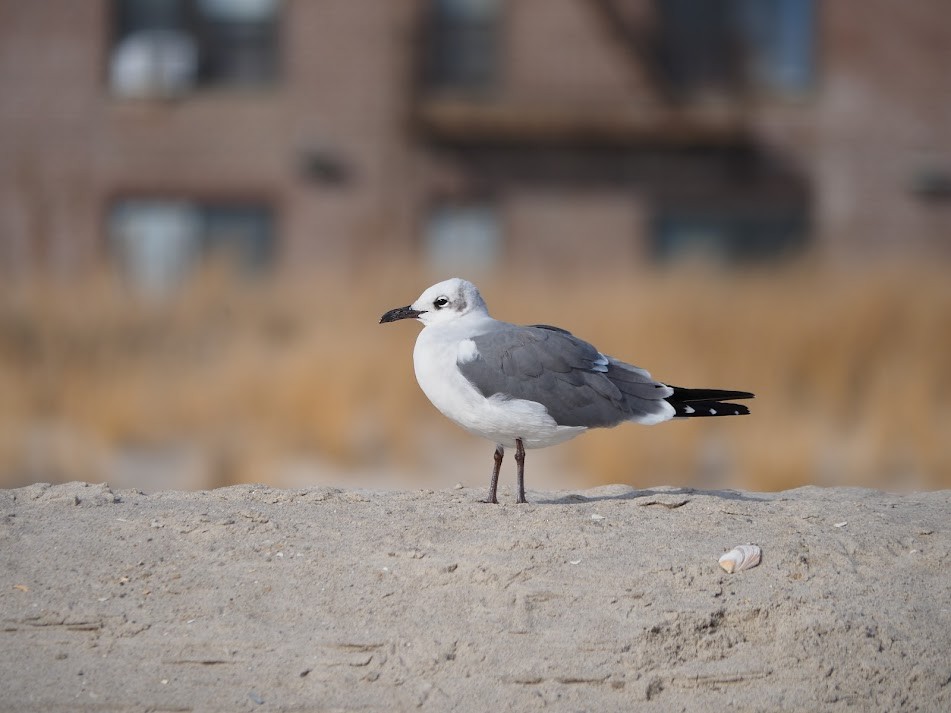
column 496, row 418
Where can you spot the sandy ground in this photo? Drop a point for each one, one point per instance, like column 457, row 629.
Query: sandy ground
column 254, row 599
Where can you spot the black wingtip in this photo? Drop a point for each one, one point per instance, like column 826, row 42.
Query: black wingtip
column 702, row 409
column 698, row 403
column 682, row 395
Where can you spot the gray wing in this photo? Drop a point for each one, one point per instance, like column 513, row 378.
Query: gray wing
column 576, row 384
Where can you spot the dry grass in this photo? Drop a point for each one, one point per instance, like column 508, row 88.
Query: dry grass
column 851, row 373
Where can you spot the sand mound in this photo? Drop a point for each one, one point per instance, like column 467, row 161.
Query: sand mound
column 250, row 598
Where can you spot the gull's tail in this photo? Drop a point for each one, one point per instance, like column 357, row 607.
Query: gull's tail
column 693, row 403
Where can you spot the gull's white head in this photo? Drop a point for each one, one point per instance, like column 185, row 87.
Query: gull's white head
column 444, row 302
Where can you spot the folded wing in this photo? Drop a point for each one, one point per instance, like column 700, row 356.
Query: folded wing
column 577, row 384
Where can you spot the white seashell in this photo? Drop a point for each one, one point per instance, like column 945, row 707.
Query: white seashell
column 740, row 557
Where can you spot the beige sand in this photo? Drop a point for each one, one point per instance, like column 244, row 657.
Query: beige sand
column 254, row 599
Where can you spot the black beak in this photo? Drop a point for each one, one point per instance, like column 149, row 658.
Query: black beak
column 400, row 313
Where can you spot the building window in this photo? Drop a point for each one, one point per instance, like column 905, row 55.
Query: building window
column 463, row 45
column 169, row 47
column 737, row 45
column 158, row 243
column 463, row 235
column 727, row 237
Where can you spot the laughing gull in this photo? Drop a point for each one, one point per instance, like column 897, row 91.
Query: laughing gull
column 534, row 386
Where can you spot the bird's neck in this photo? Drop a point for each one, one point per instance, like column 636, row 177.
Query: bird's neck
column 468, row 325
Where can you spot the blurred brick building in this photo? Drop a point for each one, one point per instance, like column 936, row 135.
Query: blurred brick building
column 469, row 132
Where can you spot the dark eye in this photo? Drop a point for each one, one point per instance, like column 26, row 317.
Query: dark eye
column 440, row 302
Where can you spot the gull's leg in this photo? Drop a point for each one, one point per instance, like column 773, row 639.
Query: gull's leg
column 520, row 461
column 499, row 452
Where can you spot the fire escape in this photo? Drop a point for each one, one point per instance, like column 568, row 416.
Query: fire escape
column 682, row 137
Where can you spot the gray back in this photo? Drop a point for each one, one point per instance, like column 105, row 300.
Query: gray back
column 568, row 376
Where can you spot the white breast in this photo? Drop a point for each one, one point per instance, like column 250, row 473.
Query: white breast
column 498, row 419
